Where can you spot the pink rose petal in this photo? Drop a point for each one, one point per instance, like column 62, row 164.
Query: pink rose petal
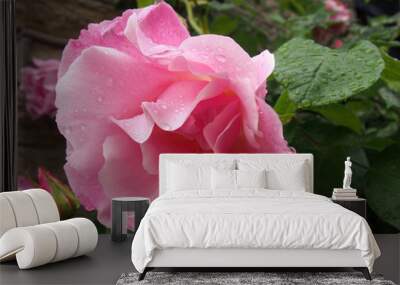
column 164, row 142
column 155, row 29
column 265, row 64
column 102, row 80
column 174, row 106
column 123, row 170
column 104, row 34
column 139, row 128
column 271, row 139
column 222, row 133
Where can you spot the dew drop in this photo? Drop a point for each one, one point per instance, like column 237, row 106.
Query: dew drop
column 220, row 58
column 83, row 127
column 100, row 99
column 164, row 106
column 109, row 82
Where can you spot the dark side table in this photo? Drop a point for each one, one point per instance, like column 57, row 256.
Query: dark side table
column 121, row 206
column 357, row 205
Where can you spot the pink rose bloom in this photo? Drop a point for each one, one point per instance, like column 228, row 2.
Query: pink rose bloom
column 340, row 16
column 337, row 43
column 140, row 85
column 340, row 13
column 38, row 84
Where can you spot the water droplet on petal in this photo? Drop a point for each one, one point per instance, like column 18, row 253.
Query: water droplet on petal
column 83, row 127
column 164, row 106
column 109, row 82
column 100, row 99
column 220, row 58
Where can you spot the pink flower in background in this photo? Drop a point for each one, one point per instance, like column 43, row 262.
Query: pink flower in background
column 38, row 84
column 337, row 43
column 340, row 13
column 140, row 85
column 340, row 17
column 65, row 199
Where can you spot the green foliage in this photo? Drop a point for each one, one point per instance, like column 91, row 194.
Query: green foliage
column 285, row 108
column 382, row 31
column 144, row 3
column 223, row 25
column 382, row 191
column 340, row 115
column 315, row 75
column 391, row 73
column 391, row 99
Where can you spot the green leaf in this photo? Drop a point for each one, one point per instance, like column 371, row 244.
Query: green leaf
column 391, row 99
column 383, row 186
column 391, row 73
column 341, row 116
column 378, row 144
column 65, row 199
column 315, row 75
column 144, row 3
column 285, row 108
column 223, row 25
column 221, row 6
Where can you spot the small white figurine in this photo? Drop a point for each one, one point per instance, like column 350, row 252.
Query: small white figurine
column 347, row 174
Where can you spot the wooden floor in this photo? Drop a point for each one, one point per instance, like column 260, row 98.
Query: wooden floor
column 103, row 266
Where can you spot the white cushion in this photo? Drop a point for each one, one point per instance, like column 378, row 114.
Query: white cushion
column 40, row 244
column 7, row 218
column 251, row 178
column 281, row 174
column 223, row 179
column 87, row 235
column 45, row 206
column 188, row 175
column 26, row 208
column 23, row 208
column 34, row 244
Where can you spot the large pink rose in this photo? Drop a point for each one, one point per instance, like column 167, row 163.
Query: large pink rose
column 38, row 85
column 140, row 85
